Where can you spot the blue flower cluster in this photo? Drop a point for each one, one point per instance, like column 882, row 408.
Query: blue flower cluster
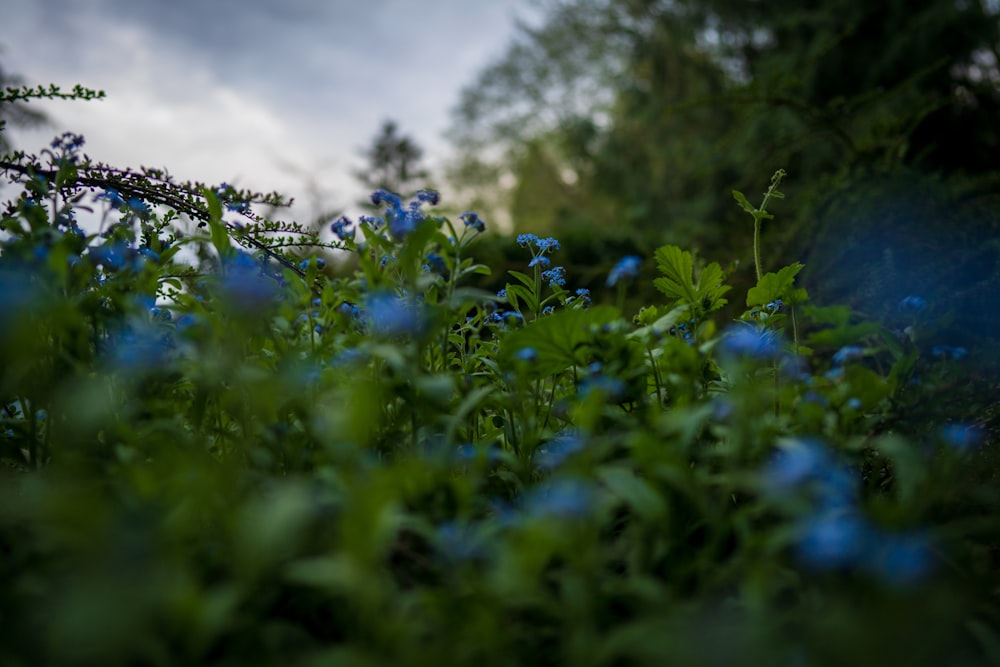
column 556, row 276
column 750, row 342
column 403, row 220
column 685, row 330
column 542, row 245
column 836, row 535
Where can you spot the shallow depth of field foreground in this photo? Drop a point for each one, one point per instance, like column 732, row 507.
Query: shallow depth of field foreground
column 406, row 438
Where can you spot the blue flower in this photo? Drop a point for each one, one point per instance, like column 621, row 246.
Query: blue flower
column 961, row 436
column 539, row 261
column 381, row 196
column 584, row 295
column 547, row 245
column 611, row 388
column 566, row 498
column 138, row 206
column 527, row 355
column 319, row 261
column 139, row 348
column 114, row 256
column 502, row 294
column 392, row 315
column 245, row 284
column 350, row 310
column 848, row 353
column 468, row 452
column 833, row 540
column 436, row 263
column 473, row 220
column 113, row 197
column 900, row 559
column 627, row 267
column 750, row 342
column 69, row 142
column 428, row 196
column 556, row 276
column 524, row 240
column 343, row 229
column 554, row 453
column 795, row 464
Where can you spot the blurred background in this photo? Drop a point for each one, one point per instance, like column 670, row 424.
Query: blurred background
column 614, row 125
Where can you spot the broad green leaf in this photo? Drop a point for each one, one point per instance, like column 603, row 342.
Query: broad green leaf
column 778, row 285
column 528, row 281
column 557, row 339
column 677, row 268
column 678, row 281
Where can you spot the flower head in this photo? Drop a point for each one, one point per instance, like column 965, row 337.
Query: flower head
column 429, row 196
column 627, row 267
column 547, row 245
column 391, row 315
column 343, row 229
column 556, row 276
column 524, row 240
column 473, row 220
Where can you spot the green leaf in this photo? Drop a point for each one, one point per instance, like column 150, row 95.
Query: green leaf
column 519, row 291
column 557, row 339
column 678, row 282
column 909, row 469
column 528, row 281
column 778, row 285
column 743, row 202
column 635, row 491
column 220, row 237
column 677, row 268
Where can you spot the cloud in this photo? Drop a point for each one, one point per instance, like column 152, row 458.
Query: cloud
column 240, row 90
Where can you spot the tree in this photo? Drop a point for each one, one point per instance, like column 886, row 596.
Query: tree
column 863, row 104
column 393, row 162
column 694, row 97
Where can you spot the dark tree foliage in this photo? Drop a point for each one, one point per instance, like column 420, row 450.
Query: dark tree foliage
column 873, row 105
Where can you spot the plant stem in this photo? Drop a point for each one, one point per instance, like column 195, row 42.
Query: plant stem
column 756, row 246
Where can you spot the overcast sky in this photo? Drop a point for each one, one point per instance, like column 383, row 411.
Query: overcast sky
column 259, row 93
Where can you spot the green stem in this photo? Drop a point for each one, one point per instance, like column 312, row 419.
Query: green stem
column 756, row 246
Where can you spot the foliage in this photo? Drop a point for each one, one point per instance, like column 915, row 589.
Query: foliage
column 615, row 115
column 217, row 452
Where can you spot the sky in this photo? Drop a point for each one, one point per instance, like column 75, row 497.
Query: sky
column 264, row 94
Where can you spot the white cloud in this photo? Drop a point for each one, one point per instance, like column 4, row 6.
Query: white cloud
column 260, row 97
